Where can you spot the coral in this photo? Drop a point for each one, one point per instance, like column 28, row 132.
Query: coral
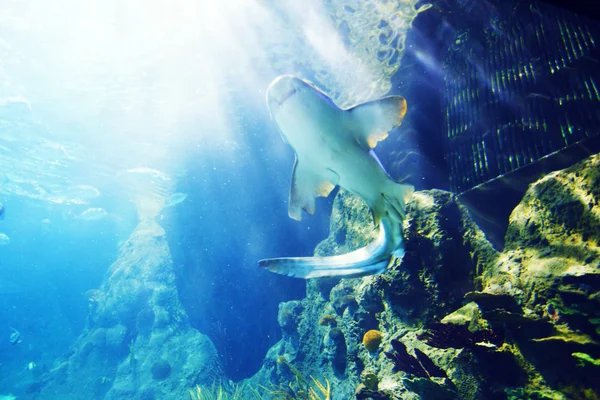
column 161, row 370
column 328, row 320
column 369, row 379
column 288, row 317
column 372, row 339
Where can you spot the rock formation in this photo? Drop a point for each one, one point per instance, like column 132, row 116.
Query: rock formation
column 138, row 342
column 522, row 323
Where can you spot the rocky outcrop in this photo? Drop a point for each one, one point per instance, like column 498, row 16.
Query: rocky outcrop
column 444, row 253
column 138, row 342
column 545, row 288
column 458, row 319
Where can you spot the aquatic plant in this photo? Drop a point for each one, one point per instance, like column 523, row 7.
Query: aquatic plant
column 298, row 389
column 217, row 392
column 404, row 361
column 445, row 336
column 372, row 340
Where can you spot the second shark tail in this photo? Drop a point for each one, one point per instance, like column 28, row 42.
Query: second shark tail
column 371, row 259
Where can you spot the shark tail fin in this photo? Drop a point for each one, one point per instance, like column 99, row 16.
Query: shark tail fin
column 318, row 267
column 371, row 259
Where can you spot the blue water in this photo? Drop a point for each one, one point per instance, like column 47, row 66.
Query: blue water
column 113, row 113
column 108, row 109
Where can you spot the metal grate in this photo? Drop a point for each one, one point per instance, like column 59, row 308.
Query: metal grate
column 522, row 81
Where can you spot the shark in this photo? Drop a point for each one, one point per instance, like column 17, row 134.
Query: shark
column 334, row 147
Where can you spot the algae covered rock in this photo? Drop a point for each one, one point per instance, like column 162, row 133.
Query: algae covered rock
column 457, row 318
column 550, row 269
column 445, row 252
column 440, row 236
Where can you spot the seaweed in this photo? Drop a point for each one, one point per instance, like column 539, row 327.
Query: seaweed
column 217, row 392
column 299, row 389
column 445, row 336
column 432, row 369
column 420, row 366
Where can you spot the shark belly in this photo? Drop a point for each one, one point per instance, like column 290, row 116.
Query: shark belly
column 362, row 176
column 332, row 147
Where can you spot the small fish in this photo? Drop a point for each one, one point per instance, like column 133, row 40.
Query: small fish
column 4, row 240
column 1, row 211
column 335, row 147
column 31, row 366
column 92, row 214
column 15, row 337
column 175, row 199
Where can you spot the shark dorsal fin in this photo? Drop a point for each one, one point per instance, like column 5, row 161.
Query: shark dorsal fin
column 377, row 118
column 307, row 185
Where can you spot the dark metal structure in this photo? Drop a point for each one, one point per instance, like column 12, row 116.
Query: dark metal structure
column 521, row 98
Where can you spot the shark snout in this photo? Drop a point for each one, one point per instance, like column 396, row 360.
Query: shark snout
column 282, row 89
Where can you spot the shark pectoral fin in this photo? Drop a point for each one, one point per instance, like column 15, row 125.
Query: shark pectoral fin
column 377, row 118
column 306, row 187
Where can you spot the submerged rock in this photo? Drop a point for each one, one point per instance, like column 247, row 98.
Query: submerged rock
column 138, row 337
column 521, row 323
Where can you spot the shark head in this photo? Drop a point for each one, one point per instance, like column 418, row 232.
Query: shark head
column 289, row 96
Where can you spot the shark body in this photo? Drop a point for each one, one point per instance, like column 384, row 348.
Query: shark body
column 334, row 147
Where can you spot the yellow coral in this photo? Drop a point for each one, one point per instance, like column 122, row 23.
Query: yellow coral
column 372, row 340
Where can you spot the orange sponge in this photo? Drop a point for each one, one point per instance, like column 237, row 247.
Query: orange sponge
column 372, row 340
